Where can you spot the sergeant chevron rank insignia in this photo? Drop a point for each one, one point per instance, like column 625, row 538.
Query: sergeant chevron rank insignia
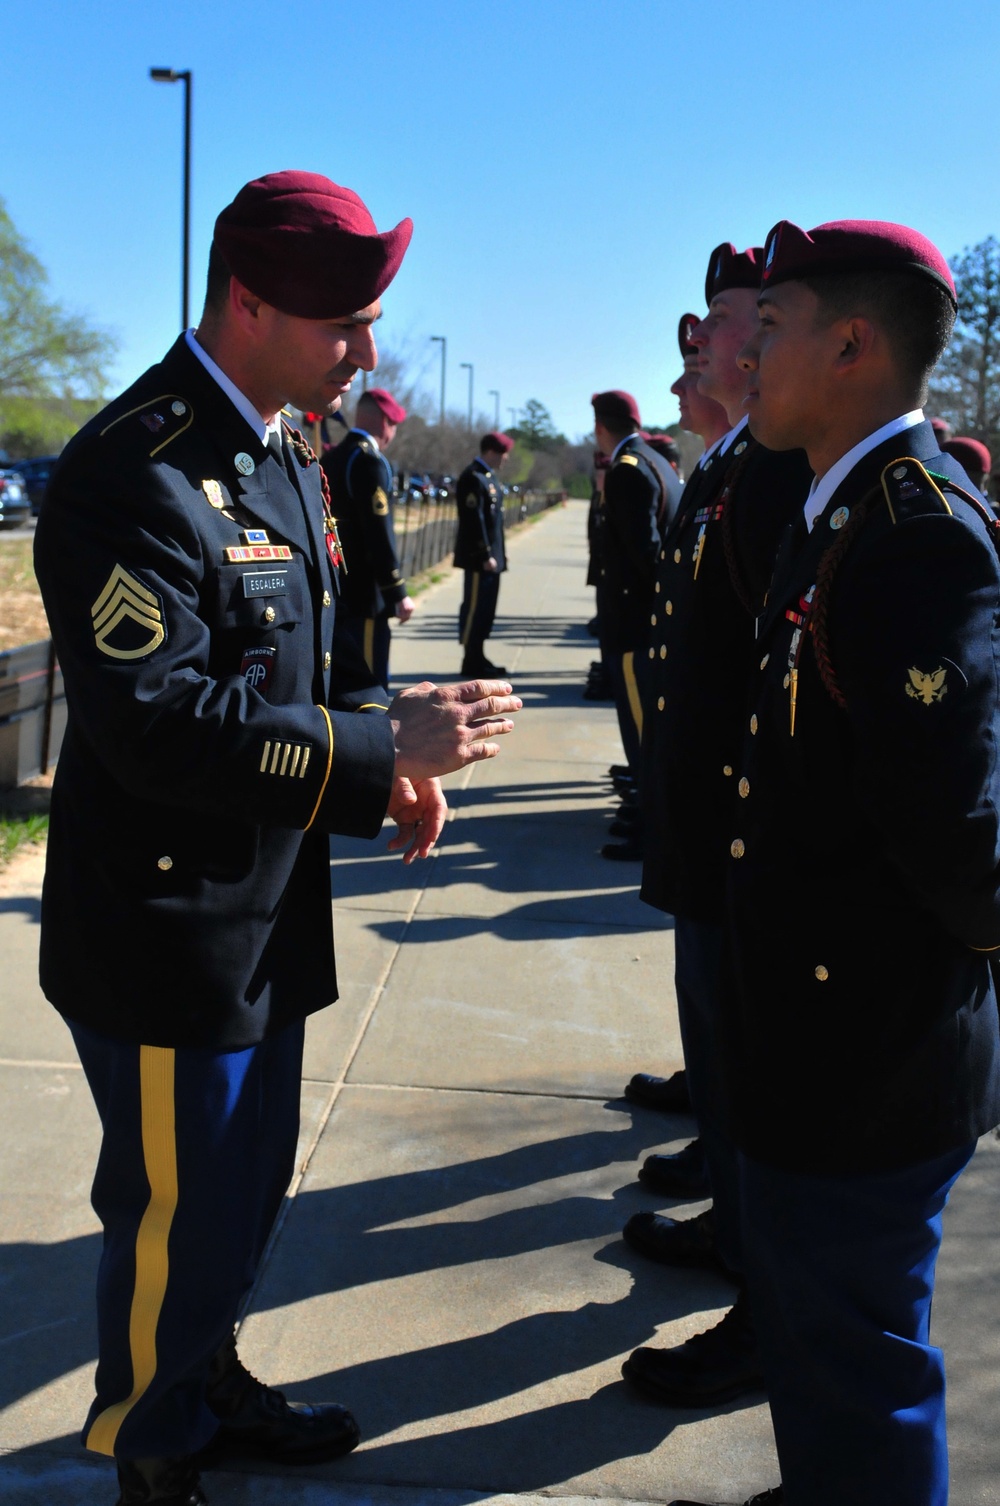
column 128, row 618
column 380, row 503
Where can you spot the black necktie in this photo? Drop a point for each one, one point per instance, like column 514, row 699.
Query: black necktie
column 276, row 447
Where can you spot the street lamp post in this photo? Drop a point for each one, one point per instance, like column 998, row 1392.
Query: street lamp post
column 442, row 340
column 467, row 366
column 513, row 417
column 174, row 76
column 494, row 394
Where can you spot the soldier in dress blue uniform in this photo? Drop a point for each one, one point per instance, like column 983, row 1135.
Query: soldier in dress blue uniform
column 711, row 579
column 861, row 1034
column 373, row 589
column 641, row 495
column 219, row 729
column 480, row 550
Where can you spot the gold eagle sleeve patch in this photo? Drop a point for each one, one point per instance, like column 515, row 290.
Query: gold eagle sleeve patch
column 128, row 618
column 927, row 687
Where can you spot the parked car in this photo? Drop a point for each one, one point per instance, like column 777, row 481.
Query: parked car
column 36, row 475
column 15, row 508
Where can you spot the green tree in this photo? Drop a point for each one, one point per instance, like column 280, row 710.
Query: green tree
column 53, row 364
column 966, row 385
column 536, row 431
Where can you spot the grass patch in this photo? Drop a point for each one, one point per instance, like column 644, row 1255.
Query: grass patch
column 20, row 831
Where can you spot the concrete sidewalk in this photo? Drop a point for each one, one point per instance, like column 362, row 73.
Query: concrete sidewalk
column 449, row 1263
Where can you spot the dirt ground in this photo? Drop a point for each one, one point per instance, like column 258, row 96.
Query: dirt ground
column 22, row 616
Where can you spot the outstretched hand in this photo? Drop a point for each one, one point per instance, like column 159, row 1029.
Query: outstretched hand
column 441, row 728
column 419, row 812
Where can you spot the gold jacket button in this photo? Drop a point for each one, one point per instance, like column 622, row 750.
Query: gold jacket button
column 657, row 588
column 663, row 650
column 763, row 662
column 670, row 609
column 753, row 725
column 652, row 653
column 269, row 614
column 677, row 556
column 822, row 973
column 327, row 660
column 727, row 769
column 327, row 599
column 737, row 848
column 165, row 864
column 652, row 619
column 744, row 788
column 660, row 704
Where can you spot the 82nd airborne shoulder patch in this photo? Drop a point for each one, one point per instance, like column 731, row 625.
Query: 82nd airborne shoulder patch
column 128, row 618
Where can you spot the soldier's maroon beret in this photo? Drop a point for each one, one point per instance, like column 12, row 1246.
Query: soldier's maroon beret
column 308, row 246
column 970, row 453
column 494, row 440
column 729, row 268
column 393, row 411
column 616, row 407
column 684, row 328
column 941, row 427
column 852, row 246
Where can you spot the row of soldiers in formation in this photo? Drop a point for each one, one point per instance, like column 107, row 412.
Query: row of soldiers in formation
column 802, row 649
column 373, row 589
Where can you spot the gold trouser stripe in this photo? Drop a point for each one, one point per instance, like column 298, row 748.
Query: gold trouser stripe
column 635, row 704
column 369, row 643
column 159, row 1149
column 329, row 766
column 473, row 602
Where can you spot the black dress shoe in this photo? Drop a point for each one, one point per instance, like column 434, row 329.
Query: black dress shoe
column 256, row 1419
column 773, row 1497
column 618, row 770
column 168, row 1482
column 621, row 826
column 629, row 851
column 669, row 1094
column 675, row 1241
column 482, row 669
column 711, row 1367
column 680, row 1175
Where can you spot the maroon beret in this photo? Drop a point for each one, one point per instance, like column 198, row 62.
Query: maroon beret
column 663, row 445
column 941, row 427
column 494, row 440
column 393, row 411
column 616, row 407
column 684, row 328
column 970, row 453
column 308, row 246
column 852, row 246
column 729, row 268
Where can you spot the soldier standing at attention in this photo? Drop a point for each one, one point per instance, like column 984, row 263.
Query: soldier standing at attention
column 711, row 580
column 219, row 729
column 641, row 495
column 361, row 489
column 864, row 899
column 480, row 550
column 709, row 420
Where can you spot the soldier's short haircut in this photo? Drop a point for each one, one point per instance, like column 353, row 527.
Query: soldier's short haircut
column 915, row 314
column 217, row 288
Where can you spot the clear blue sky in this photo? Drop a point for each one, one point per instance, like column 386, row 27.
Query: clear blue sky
column 568, row 164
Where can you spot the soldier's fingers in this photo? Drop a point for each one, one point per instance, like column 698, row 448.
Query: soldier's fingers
column 478, row 690
column 490, row 728
column 473, row 752
column 494, row 705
